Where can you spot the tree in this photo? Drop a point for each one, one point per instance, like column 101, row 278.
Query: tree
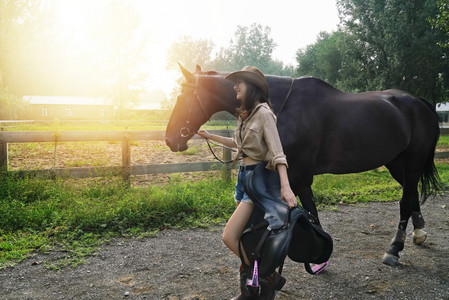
column 441, row 21
column 17, row 32
column 323, row 59
column 120, row 49
column 251, row 46
column 390, row 44
column 14, row 18
column 190, row 53
column 11, row 106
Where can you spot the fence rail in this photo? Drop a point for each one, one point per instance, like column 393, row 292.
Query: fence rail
column 126, row 169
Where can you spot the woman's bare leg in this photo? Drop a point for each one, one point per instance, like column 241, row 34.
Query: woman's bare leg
column 235, row 226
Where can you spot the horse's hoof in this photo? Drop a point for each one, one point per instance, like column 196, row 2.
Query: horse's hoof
column 391, row 260
column 419, row 236
column 418, row 240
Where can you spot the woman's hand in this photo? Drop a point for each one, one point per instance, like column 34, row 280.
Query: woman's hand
column 229, row 142
column 203, row 133
column 288, row 196
column 286, row 191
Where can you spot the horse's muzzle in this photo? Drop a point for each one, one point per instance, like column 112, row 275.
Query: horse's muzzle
column 175, row 146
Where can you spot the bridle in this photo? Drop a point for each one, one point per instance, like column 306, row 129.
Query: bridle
column 185, row 131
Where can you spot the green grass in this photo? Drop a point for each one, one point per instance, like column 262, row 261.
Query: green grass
column 376, row 185
column 193, row 150
column 443, row 142
column 76, row 216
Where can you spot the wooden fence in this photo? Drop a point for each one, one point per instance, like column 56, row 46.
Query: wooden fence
column 126, row 169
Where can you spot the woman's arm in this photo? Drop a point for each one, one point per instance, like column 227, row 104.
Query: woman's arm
column 229, row 142
column 286, row 191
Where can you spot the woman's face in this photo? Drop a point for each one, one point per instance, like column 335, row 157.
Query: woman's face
column 240, row 88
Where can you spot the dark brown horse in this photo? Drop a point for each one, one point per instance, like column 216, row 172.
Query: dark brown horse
column 324, row 130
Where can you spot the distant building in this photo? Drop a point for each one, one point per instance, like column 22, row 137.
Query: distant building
column 68, row 108
column 443, row 112
column 85, row 108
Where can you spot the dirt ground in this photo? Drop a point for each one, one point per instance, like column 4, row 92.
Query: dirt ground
column 23, row 156
column 195, row 264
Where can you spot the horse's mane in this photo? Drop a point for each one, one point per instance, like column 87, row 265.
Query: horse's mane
column 317, row 81
column 306, row 80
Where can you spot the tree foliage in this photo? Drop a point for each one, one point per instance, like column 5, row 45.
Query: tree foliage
column 382, row 44
column 253, row 46
column 34, row 59
column 122, row 46
column 441, row 21
column 11, row 106
column 103, row 56
column 14, row 18
column 323, row 59
column 17, row 33
column 250, row 46
column 189, row 53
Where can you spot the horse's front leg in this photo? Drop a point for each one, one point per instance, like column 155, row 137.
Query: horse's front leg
column 409, row 197
column 391, row 257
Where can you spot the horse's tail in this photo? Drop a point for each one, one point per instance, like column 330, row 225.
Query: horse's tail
column 430, row 180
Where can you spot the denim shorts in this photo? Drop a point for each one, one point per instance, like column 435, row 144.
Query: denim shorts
column 240, row 195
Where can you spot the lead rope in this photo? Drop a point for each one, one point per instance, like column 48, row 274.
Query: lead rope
column 223, row 146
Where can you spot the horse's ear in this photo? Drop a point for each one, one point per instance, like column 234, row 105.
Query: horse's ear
column 198, row 69
column 186, row 73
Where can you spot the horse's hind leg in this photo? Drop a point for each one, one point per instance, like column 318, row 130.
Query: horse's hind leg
column 419, row 235
column 397, row 171
column 302, row 187
column 409, row 206
column 305, row 194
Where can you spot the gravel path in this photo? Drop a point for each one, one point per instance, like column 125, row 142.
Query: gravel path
column 194, row 264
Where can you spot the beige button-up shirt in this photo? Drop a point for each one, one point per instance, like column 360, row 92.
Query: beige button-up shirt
column 258, row 138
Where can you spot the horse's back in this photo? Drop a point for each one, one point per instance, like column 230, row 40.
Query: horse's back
column 351, row 132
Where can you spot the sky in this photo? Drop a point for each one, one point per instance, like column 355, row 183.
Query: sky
column 294, row 25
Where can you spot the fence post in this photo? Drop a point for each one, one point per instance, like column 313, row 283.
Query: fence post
column 227, row 156
column 3, row 155
column 126, row 157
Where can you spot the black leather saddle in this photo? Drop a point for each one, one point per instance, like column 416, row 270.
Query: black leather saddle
column 275, row 231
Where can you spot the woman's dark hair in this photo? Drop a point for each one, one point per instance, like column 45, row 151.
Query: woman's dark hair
column 253, row 93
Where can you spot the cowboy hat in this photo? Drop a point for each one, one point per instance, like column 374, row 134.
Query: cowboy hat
column 253, row 75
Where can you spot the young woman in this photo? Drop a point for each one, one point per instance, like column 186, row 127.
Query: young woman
column 257, row 140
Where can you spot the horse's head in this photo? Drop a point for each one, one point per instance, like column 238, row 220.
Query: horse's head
column 202, row 95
